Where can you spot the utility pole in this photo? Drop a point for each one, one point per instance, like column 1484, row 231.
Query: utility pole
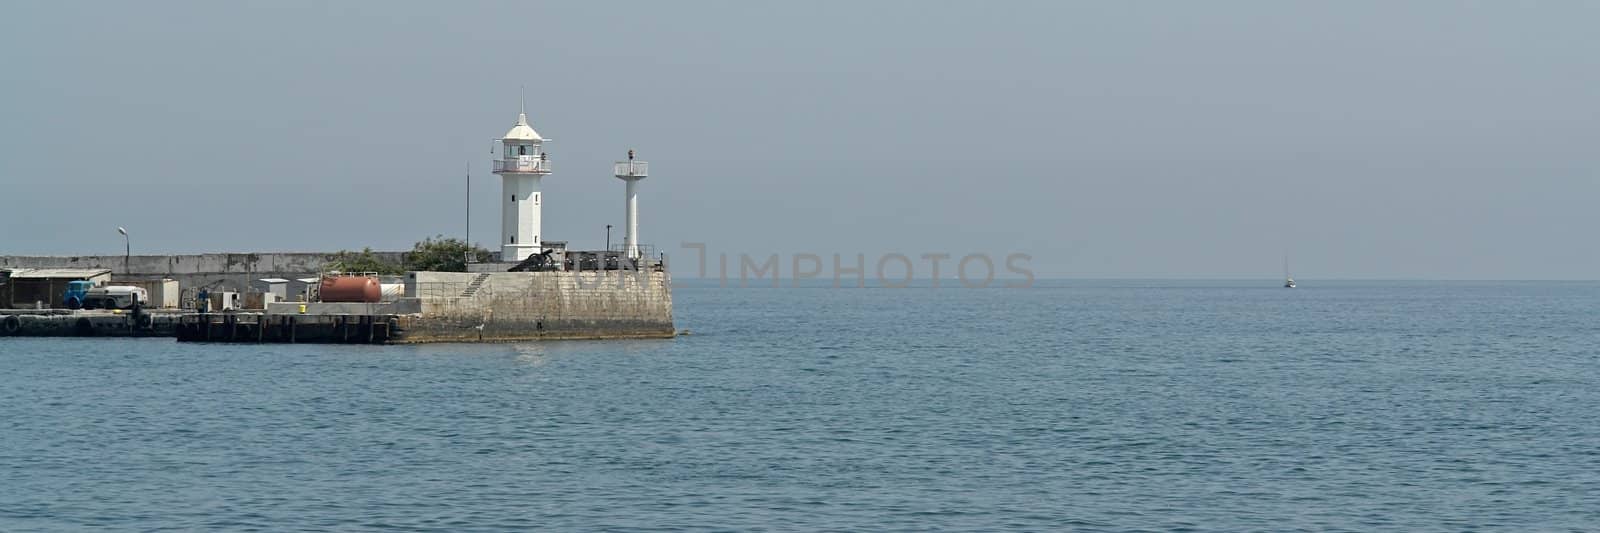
column 608, row 237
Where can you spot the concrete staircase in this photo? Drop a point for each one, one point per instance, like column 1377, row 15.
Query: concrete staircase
column 474, row 285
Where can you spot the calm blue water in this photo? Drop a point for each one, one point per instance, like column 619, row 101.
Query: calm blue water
column 1219, row 406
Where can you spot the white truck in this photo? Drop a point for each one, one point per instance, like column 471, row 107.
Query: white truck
column 115, row 297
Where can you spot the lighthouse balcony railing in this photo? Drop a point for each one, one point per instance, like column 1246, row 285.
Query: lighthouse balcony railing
column 633, row 168
column 522, row 165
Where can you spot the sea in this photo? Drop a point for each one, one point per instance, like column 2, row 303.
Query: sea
column 1065, row 406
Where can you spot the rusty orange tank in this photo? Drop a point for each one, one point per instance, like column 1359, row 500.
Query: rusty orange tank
column 350, row 289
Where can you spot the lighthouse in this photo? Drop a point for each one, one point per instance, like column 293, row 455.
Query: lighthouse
column 523, row 162
column 630, row 172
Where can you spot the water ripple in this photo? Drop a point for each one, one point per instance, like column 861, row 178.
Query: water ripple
column 1079, row 406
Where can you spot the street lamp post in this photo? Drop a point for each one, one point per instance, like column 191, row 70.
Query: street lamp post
column 127, row 249
column 608, row 237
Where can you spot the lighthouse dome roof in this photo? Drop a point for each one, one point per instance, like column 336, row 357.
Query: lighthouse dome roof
column 522, row 131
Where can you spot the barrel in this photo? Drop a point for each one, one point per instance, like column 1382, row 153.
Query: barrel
column 350, row 289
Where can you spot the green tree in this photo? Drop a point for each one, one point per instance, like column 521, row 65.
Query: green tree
column 364, row 261
column 443, row 254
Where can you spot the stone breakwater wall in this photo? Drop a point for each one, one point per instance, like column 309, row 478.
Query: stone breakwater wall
column 516, row 306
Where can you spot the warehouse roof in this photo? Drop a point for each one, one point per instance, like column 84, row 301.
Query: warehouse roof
column 59, row 273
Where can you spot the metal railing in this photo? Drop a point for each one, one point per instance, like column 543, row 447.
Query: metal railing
column 522, row 164
column 645, row 250
column 632, row 168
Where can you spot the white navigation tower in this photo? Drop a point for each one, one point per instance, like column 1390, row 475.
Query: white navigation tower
column 631, row 171
column 522, row 164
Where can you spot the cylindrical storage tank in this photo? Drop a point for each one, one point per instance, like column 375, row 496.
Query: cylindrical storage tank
column 350, row 289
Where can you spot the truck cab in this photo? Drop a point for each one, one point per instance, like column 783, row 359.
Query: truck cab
column 77, row 294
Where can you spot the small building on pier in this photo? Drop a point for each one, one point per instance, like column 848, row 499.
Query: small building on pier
column 27, row 288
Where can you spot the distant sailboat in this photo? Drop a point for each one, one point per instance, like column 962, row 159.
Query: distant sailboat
column 1288, row 281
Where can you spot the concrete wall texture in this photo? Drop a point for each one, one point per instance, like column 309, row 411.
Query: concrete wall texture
column 512, row 306
column 235, row 272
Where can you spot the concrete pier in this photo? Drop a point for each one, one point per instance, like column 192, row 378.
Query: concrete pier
column 437, row 307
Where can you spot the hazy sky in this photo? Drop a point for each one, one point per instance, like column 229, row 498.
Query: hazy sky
column 1114, row 139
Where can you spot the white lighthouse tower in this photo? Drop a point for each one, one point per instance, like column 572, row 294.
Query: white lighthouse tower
column 522, row 164
column 630, row 172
